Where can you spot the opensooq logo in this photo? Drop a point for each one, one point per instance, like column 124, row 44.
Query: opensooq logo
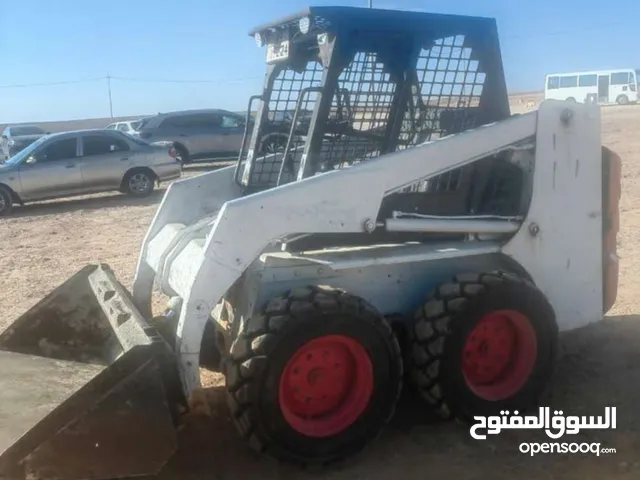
column 555, row 426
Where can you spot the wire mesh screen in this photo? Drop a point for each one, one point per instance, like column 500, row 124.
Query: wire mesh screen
column 360, row 111
column 445, row 96
column 287, row 88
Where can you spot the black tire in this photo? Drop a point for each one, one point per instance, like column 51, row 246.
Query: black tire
column 442, row 329
column 622, row 100
column 571, row 100
column 267, row 343
column 139, row 183
column 6, row 201
column 182, row 154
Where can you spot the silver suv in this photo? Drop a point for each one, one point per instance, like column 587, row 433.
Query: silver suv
column 196, row 134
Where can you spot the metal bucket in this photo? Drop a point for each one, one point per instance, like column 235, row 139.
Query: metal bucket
column 88, row 390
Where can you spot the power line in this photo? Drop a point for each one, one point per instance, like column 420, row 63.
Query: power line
column 109, row 78
column 47, row 84
column 164, row 80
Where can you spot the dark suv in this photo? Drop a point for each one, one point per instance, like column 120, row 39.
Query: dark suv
column 17, row 137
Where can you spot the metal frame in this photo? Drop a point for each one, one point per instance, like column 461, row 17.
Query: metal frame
column 205, row 235
column 404, row 72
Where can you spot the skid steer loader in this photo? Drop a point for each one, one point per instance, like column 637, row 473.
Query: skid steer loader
column 407, row 229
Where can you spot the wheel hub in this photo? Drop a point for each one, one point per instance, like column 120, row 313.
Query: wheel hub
column 489, row 349
column 499, row 354
column 326, row 385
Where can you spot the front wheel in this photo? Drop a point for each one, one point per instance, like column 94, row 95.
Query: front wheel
column 6, row 201
column 272, row 144
column 139, row 183
column 315, row 377
column 483, row 343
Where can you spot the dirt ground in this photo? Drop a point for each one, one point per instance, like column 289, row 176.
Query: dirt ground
column 43, row 244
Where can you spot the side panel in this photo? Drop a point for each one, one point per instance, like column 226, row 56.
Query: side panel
column 560, row 242
column 393, row 289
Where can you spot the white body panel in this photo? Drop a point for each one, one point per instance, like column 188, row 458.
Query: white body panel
column 205, row 235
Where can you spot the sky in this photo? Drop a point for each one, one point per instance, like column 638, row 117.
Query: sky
column 167, row 55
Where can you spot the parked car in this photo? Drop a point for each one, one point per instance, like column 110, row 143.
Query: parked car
column 130, row 126
column 16, row 137
column 82, row 162
column 196, row 134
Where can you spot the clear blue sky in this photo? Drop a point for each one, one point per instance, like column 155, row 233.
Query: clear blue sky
column 66, row 40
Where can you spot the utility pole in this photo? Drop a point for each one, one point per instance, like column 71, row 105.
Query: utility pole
column 110, row 99
column 370, row 3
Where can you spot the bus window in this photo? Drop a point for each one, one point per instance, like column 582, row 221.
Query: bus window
column 569, row 82
column 588, row 80
column 552, row 83
column 620, row 78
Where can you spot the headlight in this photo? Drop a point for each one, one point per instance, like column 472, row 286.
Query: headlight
column 304, row 25
column 12, row 142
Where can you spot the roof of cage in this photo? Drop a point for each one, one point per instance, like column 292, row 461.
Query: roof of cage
column 334, row 19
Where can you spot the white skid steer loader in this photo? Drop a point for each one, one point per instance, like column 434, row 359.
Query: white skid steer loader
column 388, row 221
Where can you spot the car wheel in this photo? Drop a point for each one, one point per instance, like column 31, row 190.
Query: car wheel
column 6, row 201
column 139, row 183
column 622, row 100
column 273, row 144
column 182, row 155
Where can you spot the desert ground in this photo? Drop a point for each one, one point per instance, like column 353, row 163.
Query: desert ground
column 43, row 244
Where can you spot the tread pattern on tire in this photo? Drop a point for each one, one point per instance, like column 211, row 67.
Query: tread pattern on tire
column 433, row 323
column 249, row 352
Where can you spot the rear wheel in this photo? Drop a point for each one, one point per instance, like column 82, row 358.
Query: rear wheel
column 315, row 377
column 6, row 201
column 182, row 155
column 622, row 100
column 482, row 344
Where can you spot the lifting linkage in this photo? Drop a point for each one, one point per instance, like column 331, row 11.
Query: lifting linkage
column 238, row 230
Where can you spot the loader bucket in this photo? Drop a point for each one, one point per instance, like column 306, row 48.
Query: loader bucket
column 88, row 390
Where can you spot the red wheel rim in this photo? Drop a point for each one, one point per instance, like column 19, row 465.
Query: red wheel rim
column 326, row 385
column 499, row 354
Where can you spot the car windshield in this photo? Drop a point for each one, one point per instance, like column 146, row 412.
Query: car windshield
column 26, row 130
column 135, row 124
column 25, row 153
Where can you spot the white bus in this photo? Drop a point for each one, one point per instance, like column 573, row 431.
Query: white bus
column 605, row 87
